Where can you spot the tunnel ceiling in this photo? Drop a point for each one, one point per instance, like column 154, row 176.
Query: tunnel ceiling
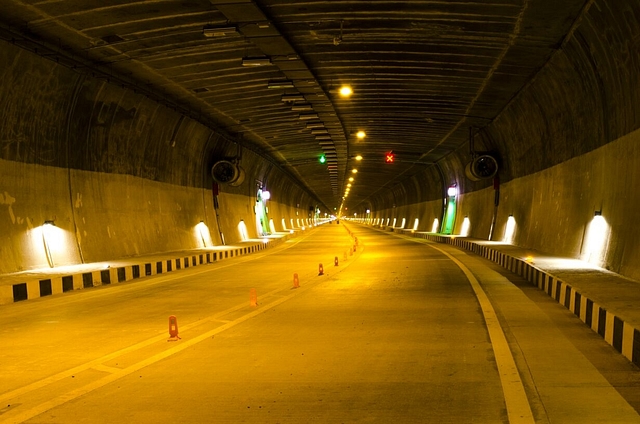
column 422, row 72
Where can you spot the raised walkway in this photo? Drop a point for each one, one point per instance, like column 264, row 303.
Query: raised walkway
column 38, row 283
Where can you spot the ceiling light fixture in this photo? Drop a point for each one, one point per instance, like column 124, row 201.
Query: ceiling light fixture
column 300, row 108
column 218, row 31
column 361, row 134
column 280, row 84
column 256, row 61
column 346, row 91
column 293, row 98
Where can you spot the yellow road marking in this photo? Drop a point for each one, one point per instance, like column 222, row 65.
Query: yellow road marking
column 515, row 397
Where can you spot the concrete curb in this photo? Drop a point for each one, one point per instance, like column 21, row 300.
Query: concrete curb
column 35, row 288
column 621, row 335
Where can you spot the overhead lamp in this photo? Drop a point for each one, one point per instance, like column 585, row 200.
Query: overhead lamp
column 358, row 157
column 304, row 116
column 300, row 108
column 256, row 61
column 354, row 171
column 293, row 98
column 280, row 84
column 361, row 134
column 345, row 91
column 218, row 31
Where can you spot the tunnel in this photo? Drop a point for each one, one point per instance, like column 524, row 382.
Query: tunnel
column 145, row 144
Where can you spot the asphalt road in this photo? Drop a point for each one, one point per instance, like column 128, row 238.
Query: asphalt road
column 403, row 330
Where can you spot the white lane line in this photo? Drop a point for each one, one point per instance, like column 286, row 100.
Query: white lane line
column 74, row 394
column 515, row 397
column 120, row 373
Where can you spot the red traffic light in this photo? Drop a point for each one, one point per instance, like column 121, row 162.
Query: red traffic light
column 389, row 157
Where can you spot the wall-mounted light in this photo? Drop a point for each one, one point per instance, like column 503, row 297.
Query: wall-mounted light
column 596, row 240
column 203, row 234
column 218, row 31
column 242, row 228
column 466, row 226
column 452, row 191
column 256, row 61
column 435, row 226
column 510, row 230
column 415, row 224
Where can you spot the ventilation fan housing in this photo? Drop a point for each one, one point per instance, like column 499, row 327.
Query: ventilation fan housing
column 481, row 168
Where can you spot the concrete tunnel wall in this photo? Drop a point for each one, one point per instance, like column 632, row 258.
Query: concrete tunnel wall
column 568, row 145
column 119, row 174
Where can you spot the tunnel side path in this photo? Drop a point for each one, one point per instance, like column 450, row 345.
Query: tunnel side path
column 38, row 283
column 607, row 302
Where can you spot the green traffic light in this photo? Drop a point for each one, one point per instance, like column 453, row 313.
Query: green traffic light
column 322, row 159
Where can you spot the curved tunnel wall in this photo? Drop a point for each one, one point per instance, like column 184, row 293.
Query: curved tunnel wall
column 568, row 145
column 118, row 174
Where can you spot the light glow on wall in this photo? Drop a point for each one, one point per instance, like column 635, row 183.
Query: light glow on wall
column 56, row 244
column 404, row 221
column 415, row 224
column 291, row 220
column 387, row 224
column 596, row 241
column 510, row 230
column 203, row 235
column 435, row 226
column 394, row 222
column 242, row 228
column 272, row 226
column 284, row 225
column 466, row 226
